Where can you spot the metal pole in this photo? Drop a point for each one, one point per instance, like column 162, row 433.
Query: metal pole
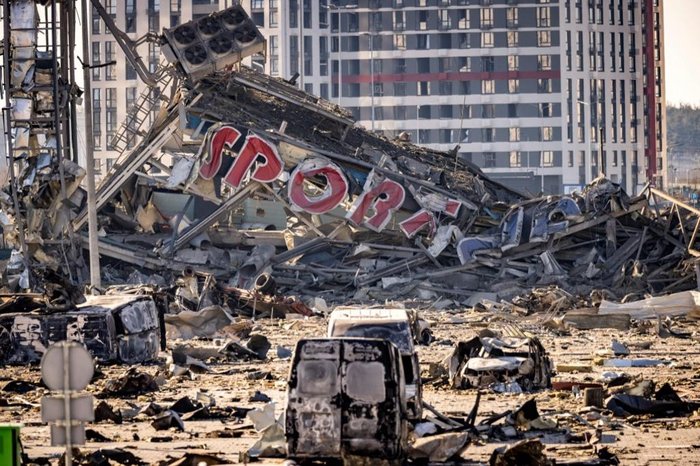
column 601, row 160
column 301, row 45
column 417, row 124
column 66, row 403
column 371, row 71
column 340, row 59
column 93, row 245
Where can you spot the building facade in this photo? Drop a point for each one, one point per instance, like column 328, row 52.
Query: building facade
column 116, row 87
column 541, row 94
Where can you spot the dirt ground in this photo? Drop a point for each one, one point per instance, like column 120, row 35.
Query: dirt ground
column 636, row 441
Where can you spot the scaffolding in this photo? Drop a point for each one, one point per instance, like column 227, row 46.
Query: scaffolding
column 41, row 140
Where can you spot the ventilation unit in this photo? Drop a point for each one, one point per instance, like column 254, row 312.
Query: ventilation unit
column 210, row 44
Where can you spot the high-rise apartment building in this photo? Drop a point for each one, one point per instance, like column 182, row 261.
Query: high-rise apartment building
column 539, row 93
column 116, row 87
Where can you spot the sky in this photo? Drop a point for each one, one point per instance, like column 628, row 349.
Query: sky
column 681, row 48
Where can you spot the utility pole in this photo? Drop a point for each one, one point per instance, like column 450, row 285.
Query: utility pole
column 93, row 241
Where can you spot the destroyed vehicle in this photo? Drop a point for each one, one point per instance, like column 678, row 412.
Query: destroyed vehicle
column 513, row 363
column 346, row 399
column 394, row 325
column 113, row 328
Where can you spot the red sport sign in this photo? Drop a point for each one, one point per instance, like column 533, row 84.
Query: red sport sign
column 237, row 155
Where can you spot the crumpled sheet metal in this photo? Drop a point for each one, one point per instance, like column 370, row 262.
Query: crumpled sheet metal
column 440, row 447
column 489, row 361
column 203, row 323
column 685, row 303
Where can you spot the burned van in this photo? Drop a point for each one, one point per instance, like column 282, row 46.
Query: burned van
column 394, row 325
column 346, row 399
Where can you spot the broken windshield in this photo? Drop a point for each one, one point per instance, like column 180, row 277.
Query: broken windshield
column 396, row 332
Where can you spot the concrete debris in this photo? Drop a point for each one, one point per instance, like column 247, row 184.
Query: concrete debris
column 440, row 447
column 132, row 383
column 530, row 452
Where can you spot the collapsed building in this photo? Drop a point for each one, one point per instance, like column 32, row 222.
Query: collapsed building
column 268, row 199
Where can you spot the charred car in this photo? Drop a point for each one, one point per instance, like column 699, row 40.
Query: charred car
column 346, row 401
column 394, row 325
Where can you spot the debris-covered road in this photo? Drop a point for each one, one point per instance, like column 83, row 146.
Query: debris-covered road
column 223, row 431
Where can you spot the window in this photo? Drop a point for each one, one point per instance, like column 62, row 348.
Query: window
column 630, row 12
column 376, row 22
column 130, row 71
column 486, row 17
column 96, row 72
column 488, row 86
column 400, row 65
column 110, row 70
column 544, row 62
column 294, row 54
column 111, row 115
column 399, row 21
column 512, row 17
column 489, row 159
column 423, row 41
column 512, row 37
column 400, row 41
column 513, row 62
column 513, row 86
column 95, row 21
column 487, row 64
column 293, row 14
column 400, row 89
column 423, row 65
column 423, row 88
column 130, row 97
column 274, row 55
column 544, row 38
column 514, row 134
column 153, row 56
column 547, row 158
column 378, row 89
column 516, row 160
column 571, row 161
column 444, row 19
column 545, row 110
column 422, row 20
column 463, row 19
column 97, row 118
column 488, row 111
column 111, row 7
column 273, row 19
column 547, row 133
column 323, row 52
column 308, row 55
column 445, row 111
column 487, row 39
column 543, row 17
column 544, row 85
column 130, row 15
